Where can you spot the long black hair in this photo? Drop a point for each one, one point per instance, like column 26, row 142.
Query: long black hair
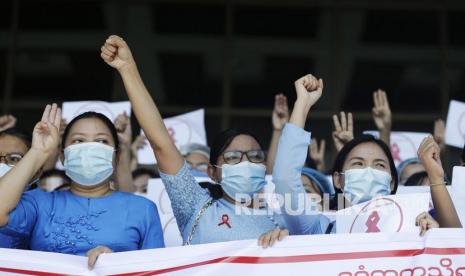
column 220, row 143
column 365, row 138
column 90, row 115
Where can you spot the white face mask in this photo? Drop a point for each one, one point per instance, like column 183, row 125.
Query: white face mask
column 243, row 178
column 361, row 185
column 90, row 163
column 4, row 168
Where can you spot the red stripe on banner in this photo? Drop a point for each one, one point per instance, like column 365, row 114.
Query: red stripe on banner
column 306, row 258
column 30, row 272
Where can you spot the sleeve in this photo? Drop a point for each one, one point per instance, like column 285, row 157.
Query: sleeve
column 185, row 194
column 290, row 159
column 152, row 229
column 22, row 219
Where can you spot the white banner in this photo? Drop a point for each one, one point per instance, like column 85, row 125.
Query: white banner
column 111, row 110
column 455, row 125
column 395, row 213
column 440, row 252
column 183, row 129
column 404, row 145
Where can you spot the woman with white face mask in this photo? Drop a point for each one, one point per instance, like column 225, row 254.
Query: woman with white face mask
column 14, row 144
column 90, row 218
column 237, row 165
column 364, row 167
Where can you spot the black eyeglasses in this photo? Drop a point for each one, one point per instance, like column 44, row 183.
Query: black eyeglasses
column 235, row 157
column 11, row 159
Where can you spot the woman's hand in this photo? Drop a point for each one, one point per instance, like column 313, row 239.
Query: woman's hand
column 343, row 130
column 116, row 53
column 429, row 155
column 93, row 254
column 381, row 111
column 280, row 112
column 440, row 133
column 7, row 121
column 123, row 128
column 269, row 238
column 309, row 90
column 426, row 222
column 46, row 134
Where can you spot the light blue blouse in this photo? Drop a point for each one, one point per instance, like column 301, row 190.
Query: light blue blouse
column 66, row 223
column 188, row 198
column 287, row 171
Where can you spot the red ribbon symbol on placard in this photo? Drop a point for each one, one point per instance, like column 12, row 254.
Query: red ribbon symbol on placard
column 395, row 151
column 172, row 134
column 372, row 222
column 225, row 220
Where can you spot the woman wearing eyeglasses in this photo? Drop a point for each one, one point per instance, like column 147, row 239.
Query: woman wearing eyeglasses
column 14, row 144
column 237, row 164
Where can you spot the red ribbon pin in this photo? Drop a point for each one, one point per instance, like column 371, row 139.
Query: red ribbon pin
column 372, row 222
column 225, row 220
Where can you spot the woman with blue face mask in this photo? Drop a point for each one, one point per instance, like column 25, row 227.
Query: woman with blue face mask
column 364, row 167
column 14, row 144
column 237, row 165
column 196, row 156
column 90, row 218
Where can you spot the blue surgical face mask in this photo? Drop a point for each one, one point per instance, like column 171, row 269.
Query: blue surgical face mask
column 361, row 185
column 197, row 173
column 89, row 164
column 4, row 168
column 243, row 178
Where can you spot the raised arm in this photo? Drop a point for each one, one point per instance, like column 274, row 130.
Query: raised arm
column 440, row 134
column 124, row 181
column 279, row 118
column 290, row 159
column 382, row 115
column 308, row 91
column 116, row 53
column 429, row 154
column 45, row 140
column 7, row 121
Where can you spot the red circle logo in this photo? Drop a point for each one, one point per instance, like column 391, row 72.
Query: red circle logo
column 379, row 215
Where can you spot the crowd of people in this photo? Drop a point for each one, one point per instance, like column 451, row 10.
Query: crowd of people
column 74, row 187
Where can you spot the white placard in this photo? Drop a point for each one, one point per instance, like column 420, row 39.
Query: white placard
column 183, row 129
column 457, row 191
column 455, row 126
column 111, row 110
column 404, row 145
column 401, row 189
column 395, row 213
